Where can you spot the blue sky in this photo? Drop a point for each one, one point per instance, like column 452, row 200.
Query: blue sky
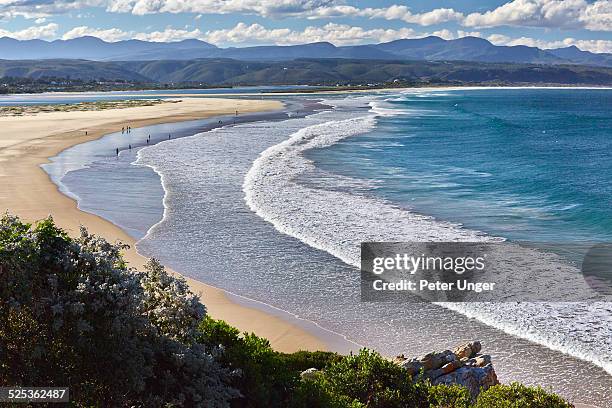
column 543, row 23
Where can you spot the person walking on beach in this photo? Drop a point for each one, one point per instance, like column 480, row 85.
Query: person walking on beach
column 117, row 151
column 122, row 129
column 130, row 146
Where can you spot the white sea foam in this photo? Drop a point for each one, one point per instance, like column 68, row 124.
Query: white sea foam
column 311, row 214
column 336, row 220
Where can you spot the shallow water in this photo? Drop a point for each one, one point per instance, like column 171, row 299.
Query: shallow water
column 59, row 98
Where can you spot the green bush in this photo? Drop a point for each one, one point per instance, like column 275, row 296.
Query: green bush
column 370, row 380
column 72, row 314
column 517, row 395
column 449, row 396
column 266, row 378
column 303, row 360
column 311, row 394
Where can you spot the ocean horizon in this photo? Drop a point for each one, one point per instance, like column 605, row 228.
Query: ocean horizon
column 272, row 210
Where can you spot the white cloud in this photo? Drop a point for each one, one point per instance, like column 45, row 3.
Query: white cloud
column 598, row 16
column 594, row 15
column 111, row 34
column 170, row 34
column 33, row 9
column 396, row 12
column 569, row 14
column 254, row 33
column 452, row 35
column 446, row 34
column 338, row 34
column 241, row 33
column 265, row 8
column 35, row 32
column 393, row 12
column 590, row 45
column 599, row 46
column 311, row 9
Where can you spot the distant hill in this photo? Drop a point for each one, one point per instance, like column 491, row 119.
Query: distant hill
column 468, row 49
column 95, row 49
column 322, row 71
column 428, row 49
column 578, row 56
column 73, row 69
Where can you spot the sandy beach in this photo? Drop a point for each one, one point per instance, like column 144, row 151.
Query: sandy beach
column 27, row 191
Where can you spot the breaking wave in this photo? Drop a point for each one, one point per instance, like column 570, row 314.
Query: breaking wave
column 336, row 219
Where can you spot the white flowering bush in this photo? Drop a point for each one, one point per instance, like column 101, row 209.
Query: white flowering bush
column 73, row 314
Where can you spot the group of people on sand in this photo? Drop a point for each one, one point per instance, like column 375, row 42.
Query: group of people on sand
column 128, row 129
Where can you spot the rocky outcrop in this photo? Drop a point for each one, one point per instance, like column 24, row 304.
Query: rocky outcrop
column 464, row 366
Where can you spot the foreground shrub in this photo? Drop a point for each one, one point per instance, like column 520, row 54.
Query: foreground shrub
column 265, row 378
column 369, row 380
column 72, row 314
column 449, row 396
column 517, row 395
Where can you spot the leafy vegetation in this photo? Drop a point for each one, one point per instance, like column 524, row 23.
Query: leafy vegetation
column 517, row 395
column 449, row 396
column 73, row 314
column 368, row 380
column 264, row 377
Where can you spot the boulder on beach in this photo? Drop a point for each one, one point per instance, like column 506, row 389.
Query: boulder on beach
column 463, row 366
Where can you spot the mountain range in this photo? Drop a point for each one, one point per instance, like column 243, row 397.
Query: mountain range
column 322, row 71
column 429, row 49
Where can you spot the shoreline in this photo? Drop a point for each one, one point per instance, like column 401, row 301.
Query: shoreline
column 31, row 194
column 142, row 93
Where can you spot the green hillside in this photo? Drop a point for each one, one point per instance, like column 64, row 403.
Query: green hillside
column 330, row 72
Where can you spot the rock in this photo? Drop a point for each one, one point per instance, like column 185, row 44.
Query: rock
column 474, row 379
column 309, row 374
column 452, row 366
column 468, row 350
column 445, row 369
column 479, row 361
column 412, row 366
column 463, row 366
column 399, row 359
column 434, row 361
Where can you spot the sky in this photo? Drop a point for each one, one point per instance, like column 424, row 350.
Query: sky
column 238, row 23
